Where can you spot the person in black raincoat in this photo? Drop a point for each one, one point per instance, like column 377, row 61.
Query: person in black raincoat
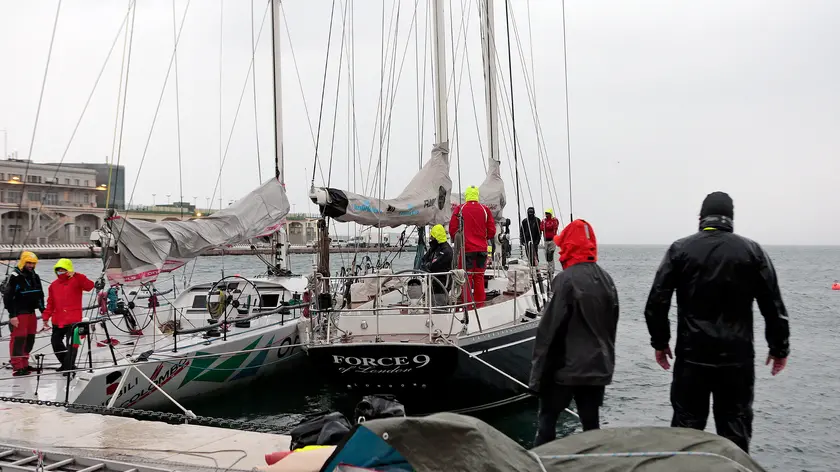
column 574, row 349
column 436, row 260
column 529, row 235
column 717, row 275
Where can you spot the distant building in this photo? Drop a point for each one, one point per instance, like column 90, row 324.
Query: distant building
column 104, row 173
column 47, row 203
column 302, row 228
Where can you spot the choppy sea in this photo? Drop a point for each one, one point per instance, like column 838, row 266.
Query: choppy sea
column 797, row 413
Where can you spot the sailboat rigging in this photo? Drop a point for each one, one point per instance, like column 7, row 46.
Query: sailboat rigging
column 383, row 332
column 212, row 336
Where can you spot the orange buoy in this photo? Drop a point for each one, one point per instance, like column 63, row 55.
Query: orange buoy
column 835, row 286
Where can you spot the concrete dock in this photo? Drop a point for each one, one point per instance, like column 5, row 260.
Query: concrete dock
column 148, row 443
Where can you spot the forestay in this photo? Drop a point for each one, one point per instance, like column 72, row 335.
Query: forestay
column 146, row 249
column 425, row 201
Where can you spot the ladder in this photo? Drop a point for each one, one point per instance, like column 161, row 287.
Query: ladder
column 18, row 458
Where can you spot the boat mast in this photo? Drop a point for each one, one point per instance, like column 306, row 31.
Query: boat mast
column 280, row 257
column 439, row 66
column 441, row 118
column 488, row 50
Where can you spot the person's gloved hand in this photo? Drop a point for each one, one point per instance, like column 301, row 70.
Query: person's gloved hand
column 779, row 364
column 663, row 356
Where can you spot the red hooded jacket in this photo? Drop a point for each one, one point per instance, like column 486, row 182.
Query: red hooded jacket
column 479, row 226
column 64, row 304
column 549, row 226
column 577, row 243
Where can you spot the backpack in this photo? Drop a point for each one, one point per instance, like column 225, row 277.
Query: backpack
column 378, row 406
column 325, row 430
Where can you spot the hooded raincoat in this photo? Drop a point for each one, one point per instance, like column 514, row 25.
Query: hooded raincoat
column 64, row 304
column 575, row 342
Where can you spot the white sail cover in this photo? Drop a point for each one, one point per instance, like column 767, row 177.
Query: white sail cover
column 491, row 193
column 425, row 201
column 146, row 249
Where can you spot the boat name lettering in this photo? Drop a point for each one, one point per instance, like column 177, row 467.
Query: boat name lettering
column 372, row 365
column 174, row 369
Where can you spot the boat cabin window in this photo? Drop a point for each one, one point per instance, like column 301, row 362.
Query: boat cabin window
column 200, row 301
column 270, row 300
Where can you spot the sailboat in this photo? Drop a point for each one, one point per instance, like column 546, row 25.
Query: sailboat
column 212, row 336
column 382, row 334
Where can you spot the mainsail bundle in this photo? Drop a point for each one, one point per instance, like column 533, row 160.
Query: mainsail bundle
column 425, row 201
column 141, row 250
column 491, row 192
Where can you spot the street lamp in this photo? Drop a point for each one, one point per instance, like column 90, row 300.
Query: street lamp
column 207, row 205
column 167, row 198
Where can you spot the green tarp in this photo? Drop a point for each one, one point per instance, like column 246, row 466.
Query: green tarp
column 451, row 442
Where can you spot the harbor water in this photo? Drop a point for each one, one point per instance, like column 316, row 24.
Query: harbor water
column 796, row 413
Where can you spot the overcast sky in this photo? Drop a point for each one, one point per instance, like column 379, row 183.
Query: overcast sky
column 668, row 101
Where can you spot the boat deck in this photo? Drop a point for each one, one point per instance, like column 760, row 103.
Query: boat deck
column 147, row 444
column 51, row 386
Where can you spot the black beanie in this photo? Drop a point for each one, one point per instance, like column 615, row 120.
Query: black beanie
column 717, row 203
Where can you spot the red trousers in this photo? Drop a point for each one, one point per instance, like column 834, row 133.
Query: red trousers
column 22, row 340
column 474, row 290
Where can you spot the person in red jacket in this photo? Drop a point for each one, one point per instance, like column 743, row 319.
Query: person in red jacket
column 549, row 227
column 478, row 227
column 64, row 306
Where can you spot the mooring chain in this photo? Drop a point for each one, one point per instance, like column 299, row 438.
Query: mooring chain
column 157, row 415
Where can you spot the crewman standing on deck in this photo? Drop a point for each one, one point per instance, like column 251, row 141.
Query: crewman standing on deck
column 478, row 228
column 717, row 275
column 64, row 307
column 22, row 295
column 549, row 227
column 529, row 236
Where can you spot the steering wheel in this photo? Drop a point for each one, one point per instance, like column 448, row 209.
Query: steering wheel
column 424, row 295
column 231, row 297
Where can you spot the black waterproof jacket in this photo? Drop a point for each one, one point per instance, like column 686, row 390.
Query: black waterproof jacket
column 529, row 230
column 717, row 275
column 23, row 293
column 438, row 259
column 575, row 342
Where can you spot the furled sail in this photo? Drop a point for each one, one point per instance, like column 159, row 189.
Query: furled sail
column 425, row 201
column 491, row 192
column 143, row 249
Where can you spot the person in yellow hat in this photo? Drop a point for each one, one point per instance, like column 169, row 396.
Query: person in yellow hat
column 22, row 295
column 64, row 308
column 549, row 227
column 438, row 259
column 475, row 221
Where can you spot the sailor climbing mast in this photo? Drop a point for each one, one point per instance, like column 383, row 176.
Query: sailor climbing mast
column 282, row 242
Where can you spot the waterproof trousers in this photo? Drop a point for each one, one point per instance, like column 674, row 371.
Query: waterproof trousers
column 22, row 340
column 556, row 398
column 66, row 355
column 474, row 291
column 532, row 253
column 731, row 389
